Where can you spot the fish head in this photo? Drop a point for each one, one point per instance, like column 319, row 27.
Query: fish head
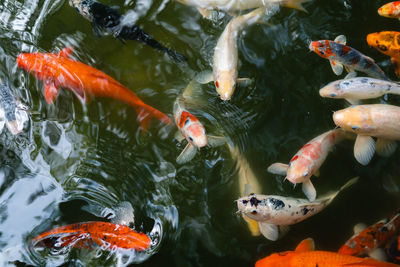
column 390, row 10
column 332, row 90
column 225, row 82
column 387, row 42
column 356, row 119
column 35, row 63
column 255, row 207
column 280, row 259
column 322, row 48
column 299, row 169
column 193, row 130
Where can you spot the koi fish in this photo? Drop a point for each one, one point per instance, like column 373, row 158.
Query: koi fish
column 368, row 241
column 359, row 88
column 388, row 43
column 339, row 55
column 204, row 6
column 272, row 211
column 12, row 113
column 106, row 18
column 190, row 128
column 390, row 10
column 305, row 255
column 378, row 120
column 308, row 160
column 58, row 70
column 89, row 234
column 225, row 73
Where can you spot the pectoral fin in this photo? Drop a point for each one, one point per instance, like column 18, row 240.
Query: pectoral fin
column 66, row 52
column 309, row 190
column 336, row 67
column 359, row 227
column 179, row 136
column 270, row 231
column 278, row 168
column 316, row 173
column 378, row 254
column 187, row 154
column 364, row 149
column 385, row 148
column 216, row 140
column 204, row 77
column 245, row 81
column 207, row 13
column 353, row 102
column 341, row 39
column 352, row 74
column 50, row 92
column 306, row 245
column 296, row 4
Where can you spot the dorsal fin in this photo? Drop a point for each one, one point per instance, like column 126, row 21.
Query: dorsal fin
column 66, row 52
column 305, row 245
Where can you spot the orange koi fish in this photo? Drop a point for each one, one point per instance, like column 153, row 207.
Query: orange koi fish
column 89, row 234
column 372, row 237
column 58, row 70
column 390, row 10
column 388, row 43
column 305, row 256
column 339, row 55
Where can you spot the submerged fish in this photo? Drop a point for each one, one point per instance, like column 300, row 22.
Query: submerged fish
column 272, row 211
column 12, row 113
column 304, row 256
column 225, row 73
column 355, row 89
column 378, row 120
column 339, row 55
column 388, row 43
column 368, row 241
column 90, row 234
column 190, row 128
column 106, row 18
column 390, row 10
column 392, row 249
column 58, row 70
column 308, row 160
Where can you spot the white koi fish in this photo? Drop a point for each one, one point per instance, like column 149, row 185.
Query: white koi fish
column 359, row 88
column 236, row 5
column 190, row 128
column 225, row 73
column 272, row 211
column 308, row 160
column 378, row 120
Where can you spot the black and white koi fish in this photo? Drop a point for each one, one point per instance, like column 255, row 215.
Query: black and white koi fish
column 106, row 18
column 272, row 211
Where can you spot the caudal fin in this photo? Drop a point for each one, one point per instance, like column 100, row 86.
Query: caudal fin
column 146, row 113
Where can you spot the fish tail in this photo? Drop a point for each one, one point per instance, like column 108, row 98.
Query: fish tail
column 146, row 113
column 296, row 4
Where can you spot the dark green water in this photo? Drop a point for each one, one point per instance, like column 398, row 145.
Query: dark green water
column 73, row 161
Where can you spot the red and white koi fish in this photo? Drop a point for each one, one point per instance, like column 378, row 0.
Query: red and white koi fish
column 339, row 55
column 305, row 256
column 272, row 211
column 390, row 10
column 378, row 120
column 58, row 70
column 371, row 239
column 308, row 160
column 190, row 128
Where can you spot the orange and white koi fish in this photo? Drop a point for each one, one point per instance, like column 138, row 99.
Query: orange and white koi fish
column 390, row 10
column 308, row 160
column 204, row 6
column 58, row 70
column 225, row 73
column 355, row 89
column 370, row 240
column 378, row 120
column 89, row 234
column 339, row 55
column 305, row 256
column 388, row 43
column 272, row 211
column 190, row 128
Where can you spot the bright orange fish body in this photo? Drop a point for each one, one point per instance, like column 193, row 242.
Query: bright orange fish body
column 388, row 43
column 304, row 256
column 372, row 237
column 390, row 10
column 58, row 70
column 85, row 235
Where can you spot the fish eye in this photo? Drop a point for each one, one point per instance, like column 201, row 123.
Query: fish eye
column 333, row 95
column 321, row 52
column 354, row 127
column 382, row 47
column 191, row 138
column 305, row 174
column 187, row 120
column 254, row 212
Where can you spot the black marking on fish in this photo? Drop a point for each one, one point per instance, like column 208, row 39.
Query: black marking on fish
column 276, row 203
column 245, row 202
column 305, row 210
column 254, row 201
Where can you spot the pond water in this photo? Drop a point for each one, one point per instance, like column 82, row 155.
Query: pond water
column 74, row 161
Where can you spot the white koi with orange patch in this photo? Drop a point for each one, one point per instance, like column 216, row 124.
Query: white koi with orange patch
column 308, row 160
